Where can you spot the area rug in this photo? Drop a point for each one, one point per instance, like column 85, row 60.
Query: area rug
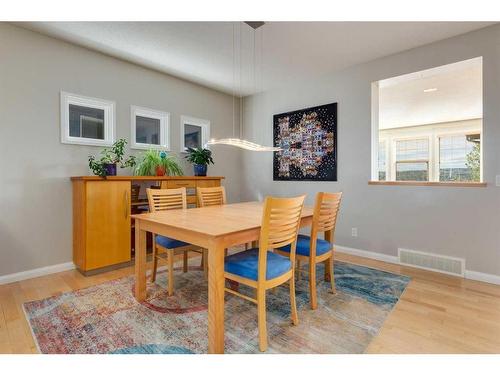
column 107, row 319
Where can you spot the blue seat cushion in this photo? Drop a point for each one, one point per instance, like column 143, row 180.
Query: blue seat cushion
column 303, row 242
column 246, row 264
column 169, row 243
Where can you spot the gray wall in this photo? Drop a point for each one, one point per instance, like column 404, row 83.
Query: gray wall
column 463, row 222
column 35, row 190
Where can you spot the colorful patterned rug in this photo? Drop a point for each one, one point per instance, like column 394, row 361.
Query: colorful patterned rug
column 107, row 319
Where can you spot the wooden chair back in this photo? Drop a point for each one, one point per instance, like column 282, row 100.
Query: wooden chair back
column 211, row 196
column 166, row 199
column 280, row 226
column 326, row 210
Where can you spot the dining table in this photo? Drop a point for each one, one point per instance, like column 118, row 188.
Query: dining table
column 214, row 228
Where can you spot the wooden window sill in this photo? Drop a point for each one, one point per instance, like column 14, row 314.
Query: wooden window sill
column 424, row 183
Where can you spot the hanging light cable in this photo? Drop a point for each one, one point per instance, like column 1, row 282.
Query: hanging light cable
column 240, row 142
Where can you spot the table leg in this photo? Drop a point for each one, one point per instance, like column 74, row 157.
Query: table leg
column 140, row 262
column 216, row 298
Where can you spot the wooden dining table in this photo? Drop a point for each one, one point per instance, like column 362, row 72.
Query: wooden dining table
column 215, row 228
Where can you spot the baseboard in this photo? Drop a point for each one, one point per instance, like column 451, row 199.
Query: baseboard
column 367, row 254
column 470, row 275
column 484, row 277
column 37, row 272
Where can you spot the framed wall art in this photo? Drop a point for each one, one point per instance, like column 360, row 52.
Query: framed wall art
column 308, row 142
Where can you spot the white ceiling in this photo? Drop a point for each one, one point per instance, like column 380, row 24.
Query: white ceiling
column 202, row 52
column 403, row 102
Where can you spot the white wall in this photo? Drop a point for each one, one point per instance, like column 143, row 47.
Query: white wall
column 463, row 222
column 35, row 190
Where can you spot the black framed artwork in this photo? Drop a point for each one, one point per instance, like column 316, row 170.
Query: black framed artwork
column 308, row 142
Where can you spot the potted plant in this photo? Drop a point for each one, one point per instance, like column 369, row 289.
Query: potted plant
column 200, row 158
column 110, row 157
column 157, row 163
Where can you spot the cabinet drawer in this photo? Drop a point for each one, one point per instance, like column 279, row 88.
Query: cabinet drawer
column 173, row 184
column 207, row 183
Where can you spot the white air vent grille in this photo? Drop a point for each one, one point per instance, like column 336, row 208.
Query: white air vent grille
column 432, row 262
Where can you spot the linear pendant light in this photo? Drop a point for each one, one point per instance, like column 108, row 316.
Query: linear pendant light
column 238, row 142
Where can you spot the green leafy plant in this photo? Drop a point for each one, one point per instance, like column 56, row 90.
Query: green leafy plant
column 199, row 156
column 157, row 162
column 473, row 162
column 113, row 155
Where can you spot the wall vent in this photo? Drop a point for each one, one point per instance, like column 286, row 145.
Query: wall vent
column 432, row 262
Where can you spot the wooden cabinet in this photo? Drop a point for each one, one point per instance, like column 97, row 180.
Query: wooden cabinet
column 101, row 216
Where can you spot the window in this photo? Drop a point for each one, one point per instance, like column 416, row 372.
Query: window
column 150, row 128
column 427, row 125
column 412, row 160
column 382, row 161
column 195, row 132
column 87, row 121
column 459, row 157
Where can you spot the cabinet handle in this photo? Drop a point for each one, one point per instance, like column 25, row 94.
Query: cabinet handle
column 126, row 204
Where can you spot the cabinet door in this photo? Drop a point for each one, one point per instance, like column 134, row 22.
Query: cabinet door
column 108, row 223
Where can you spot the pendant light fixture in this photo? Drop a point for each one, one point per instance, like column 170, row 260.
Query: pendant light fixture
column 239, row 142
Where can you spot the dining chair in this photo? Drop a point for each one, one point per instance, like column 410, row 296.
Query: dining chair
column 313, row 250
column 211, row 196
column 262, row 269
column 163, row 200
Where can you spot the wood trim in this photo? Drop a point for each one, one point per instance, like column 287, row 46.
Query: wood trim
column 428, row 183
column 145, row 178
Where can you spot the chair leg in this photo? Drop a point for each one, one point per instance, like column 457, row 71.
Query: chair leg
column 293, row 303
column 261, row 313
column 185, row 261
column 326, row 264
column 155, row 264
column 312, row 285
column 298, row 269
column 332, row 276
column 170, row 260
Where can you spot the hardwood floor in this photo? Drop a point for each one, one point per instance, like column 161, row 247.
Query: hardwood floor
column 436, row 313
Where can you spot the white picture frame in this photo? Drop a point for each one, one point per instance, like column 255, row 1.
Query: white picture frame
column 162, row 116
column 108, row 106
column 194, row 121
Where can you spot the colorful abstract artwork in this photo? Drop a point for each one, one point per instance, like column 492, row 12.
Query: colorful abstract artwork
column 308, row 142
column 106, row 318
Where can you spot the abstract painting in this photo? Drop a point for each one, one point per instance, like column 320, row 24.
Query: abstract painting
column 308, row 142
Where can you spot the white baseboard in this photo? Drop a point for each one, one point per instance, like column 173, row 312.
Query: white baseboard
column 484, row 277
column 471, row 275
column 37, row 272
column 367, row 254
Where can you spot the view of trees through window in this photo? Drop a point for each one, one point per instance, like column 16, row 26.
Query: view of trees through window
column 459, row 158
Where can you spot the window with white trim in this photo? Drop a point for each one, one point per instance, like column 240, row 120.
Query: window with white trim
column 382, row 160
column 195, row 132
column 87, row 121
column 150, row 128
column 412, row 159
column 459, row 157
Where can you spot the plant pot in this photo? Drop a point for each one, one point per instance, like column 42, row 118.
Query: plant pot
column 200, row 169
column 160, row 171
column 110, row 169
